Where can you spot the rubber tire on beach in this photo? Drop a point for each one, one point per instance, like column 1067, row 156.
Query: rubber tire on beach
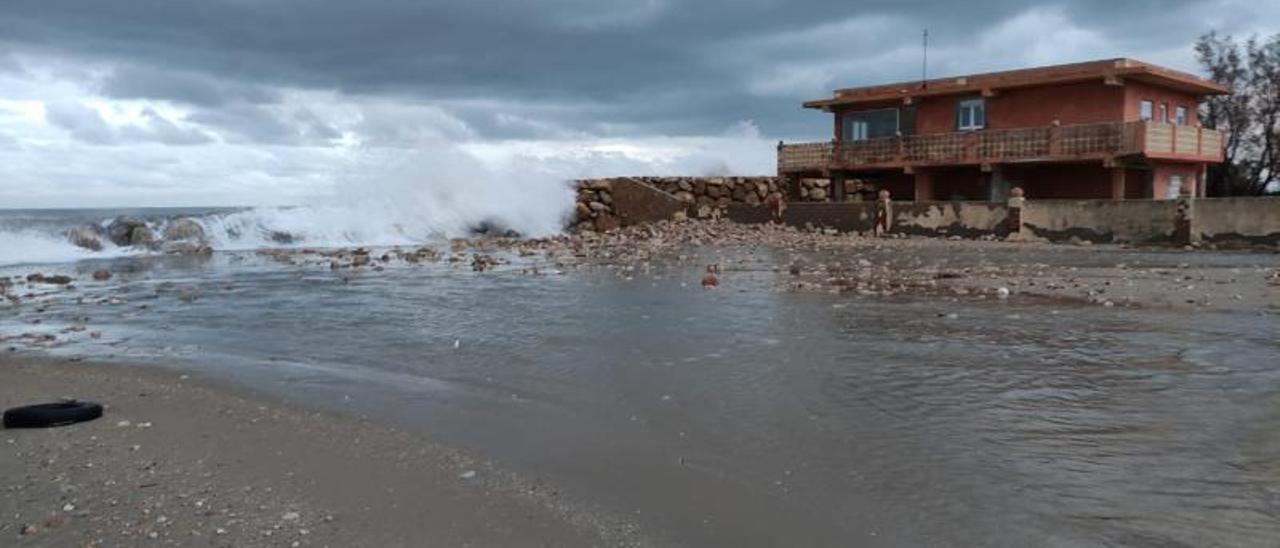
column 51, row 414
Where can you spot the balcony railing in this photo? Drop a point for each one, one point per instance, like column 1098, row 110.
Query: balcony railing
column 1052, row 143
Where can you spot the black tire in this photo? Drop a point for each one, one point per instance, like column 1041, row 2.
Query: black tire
column 51, row 414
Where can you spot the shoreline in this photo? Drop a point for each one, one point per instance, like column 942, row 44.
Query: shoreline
column 180, row 460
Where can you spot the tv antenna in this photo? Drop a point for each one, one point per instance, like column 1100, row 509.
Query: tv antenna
column 924, row 62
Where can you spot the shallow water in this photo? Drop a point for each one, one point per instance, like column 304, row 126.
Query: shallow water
column 746, row 416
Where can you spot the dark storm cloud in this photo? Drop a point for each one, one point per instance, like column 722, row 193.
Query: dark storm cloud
column 133, row 82
column 609, row 66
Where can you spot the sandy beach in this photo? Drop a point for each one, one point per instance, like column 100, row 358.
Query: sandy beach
column 177, row 461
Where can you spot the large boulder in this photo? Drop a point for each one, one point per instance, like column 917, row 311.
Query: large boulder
column 184, row 229
column 122, row 231
column 142, row 237
column 85, row 237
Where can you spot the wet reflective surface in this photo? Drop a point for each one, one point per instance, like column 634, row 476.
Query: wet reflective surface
column 748, row 416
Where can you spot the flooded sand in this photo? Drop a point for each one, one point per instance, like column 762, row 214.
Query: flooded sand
column 750, row 415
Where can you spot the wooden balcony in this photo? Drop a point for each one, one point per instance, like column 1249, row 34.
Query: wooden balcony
column 1039, row 144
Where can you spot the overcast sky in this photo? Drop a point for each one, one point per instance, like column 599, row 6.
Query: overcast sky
column 165, row 102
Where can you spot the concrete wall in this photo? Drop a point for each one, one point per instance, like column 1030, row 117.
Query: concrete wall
column 606, row 204
column 1104, row 221
column 845, row 217
column 1254, row 221
column 968, row 219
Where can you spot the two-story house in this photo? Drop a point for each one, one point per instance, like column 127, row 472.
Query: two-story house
column 1118, row 129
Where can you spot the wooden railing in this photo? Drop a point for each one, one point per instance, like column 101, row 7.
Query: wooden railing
column 1075, row 142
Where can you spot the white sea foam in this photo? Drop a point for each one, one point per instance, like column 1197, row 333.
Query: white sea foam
column 398, row 200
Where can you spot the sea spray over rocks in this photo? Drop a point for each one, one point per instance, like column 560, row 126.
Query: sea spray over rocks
column 432, row 195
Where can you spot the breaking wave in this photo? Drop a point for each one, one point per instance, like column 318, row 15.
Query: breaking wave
column 424, row 198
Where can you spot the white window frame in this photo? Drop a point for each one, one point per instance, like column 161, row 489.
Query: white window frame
column 1173, row 187
column 1180, row 116
column 968, row 113
column 857, row 130
column 1146, row 110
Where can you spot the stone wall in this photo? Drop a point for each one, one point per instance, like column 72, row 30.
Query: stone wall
column 609, row 204
column 718, row 191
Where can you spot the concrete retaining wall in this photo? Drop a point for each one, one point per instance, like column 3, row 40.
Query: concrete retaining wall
column 1251, row 221
column 967, row 219
column 1102, row 221
column 605, row 204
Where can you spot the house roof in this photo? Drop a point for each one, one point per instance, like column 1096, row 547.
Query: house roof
column 1114, row 71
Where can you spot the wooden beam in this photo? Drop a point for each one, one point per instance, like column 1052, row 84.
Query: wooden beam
column 1112, row 80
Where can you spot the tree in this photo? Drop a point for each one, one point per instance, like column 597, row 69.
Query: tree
column 1249, row 117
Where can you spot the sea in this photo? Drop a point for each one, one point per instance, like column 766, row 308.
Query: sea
column 744, row 416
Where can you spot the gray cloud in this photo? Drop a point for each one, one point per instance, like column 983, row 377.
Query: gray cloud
column 135, row 82
column 610, row 67
column 86, row 125
column 83, row 123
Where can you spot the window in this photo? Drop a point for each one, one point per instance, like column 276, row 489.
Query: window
column 1181, row 114
column 857, row 130
column 1163, row 114
column 1144, row 110
column 971, row 115
column 1174, row 189
column 870, row 124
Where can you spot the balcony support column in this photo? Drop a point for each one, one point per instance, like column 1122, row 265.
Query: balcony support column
column 924, row 186
column 837, row 186
column 1117, row 183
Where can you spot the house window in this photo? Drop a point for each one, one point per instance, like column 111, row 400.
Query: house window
column 971, row 115
column 1181, row 116
column 1164, row 113
column 857, row 130
column 1144, row 111
column 870, row 124
column 1174, row 190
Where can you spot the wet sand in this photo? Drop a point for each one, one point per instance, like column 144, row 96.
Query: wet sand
column 178, row 461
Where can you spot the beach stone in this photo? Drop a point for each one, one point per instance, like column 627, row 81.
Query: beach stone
column 55, row 280
column 102, row 274
column 184, row 229
column 606, row 223
column 598, row 207
column 142, row 236
column 818, row 194
column 85, row 237
column 121, row 230
column 188, row 248
column 281, row 237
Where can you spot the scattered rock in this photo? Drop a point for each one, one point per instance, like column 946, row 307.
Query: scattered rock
column 54, row 280
column 85, row 237
column 102, row 274
column 121, row 230
column 184, row 229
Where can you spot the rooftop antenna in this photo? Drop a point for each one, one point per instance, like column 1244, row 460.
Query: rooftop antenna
column 924, row 63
